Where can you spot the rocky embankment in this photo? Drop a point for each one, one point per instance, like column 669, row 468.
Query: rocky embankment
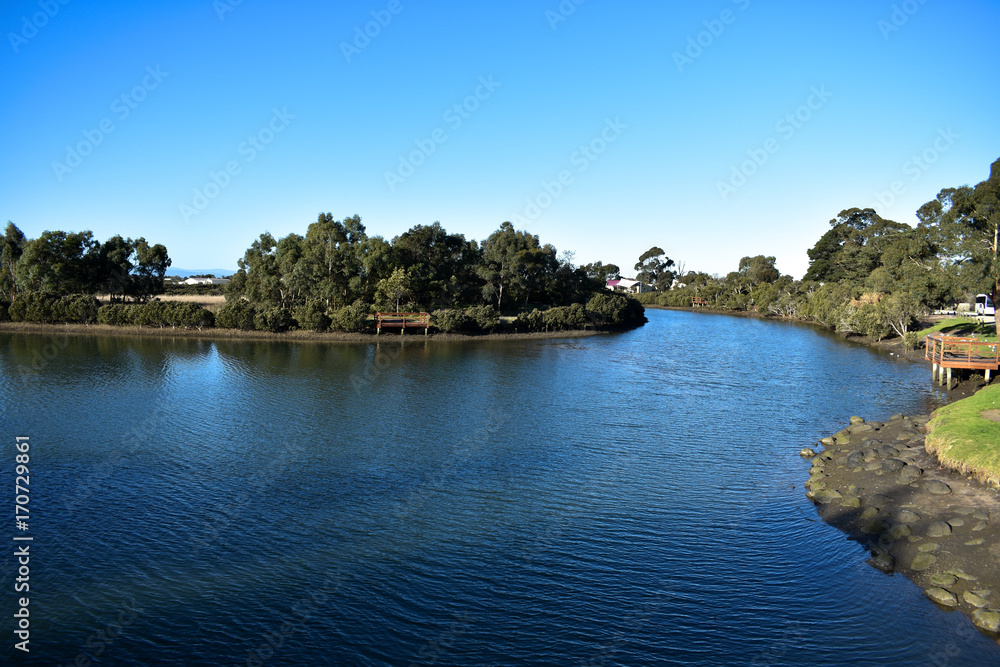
column 877, row 483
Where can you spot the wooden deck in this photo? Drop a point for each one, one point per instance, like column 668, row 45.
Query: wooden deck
column 698, row 302
column 402, row 321
column 948, row 352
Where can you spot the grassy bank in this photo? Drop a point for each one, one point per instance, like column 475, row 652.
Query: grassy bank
column 965, row 436
column 961, row 326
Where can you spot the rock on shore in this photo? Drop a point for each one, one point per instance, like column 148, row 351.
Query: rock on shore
column 877, row 483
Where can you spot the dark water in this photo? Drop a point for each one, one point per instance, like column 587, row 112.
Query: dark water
column 625, row 499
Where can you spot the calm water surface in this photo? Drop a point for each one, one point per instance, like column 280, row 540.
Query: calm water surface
column 625, row 499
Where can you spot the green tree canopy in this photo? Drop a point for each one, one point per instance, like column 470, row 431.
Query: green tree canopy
column 852, row 248
column 759, row 269
column 654, row 267
column 12, row 245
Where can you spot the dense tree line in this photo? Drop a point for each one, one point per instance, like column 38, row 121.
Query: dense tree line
column 336, row 276
column 333, row 277
column 59, row 263
column 869, row 275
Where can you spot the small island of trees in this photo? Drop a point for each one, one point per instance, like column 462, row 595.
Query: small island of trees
column 332, row 278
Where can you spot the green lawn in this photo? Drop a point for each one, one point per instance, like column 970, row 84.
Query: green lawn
column 965, row 440
column 962, row 326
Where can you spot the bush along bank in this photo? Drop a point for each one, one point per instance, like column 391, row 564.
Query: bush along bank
column 878, row 483
column 603, row 312
column 44, row 308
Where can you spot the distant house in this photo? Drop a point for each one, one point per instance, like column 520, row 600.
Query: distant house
column 205, row 281
column 629, row 286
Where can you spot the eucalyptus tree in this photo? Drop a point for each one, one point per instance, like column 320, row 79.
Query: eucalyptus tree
column 258, row 279
column 151, row 264
column 968, row 224
column 502, row 269
column 853, row 246
column 441, row 267
column 654, row 267
column 60, row 263
column 12, row 245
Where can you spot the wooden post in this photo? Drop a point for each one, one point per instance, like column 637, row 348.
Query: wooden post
column 987, row 376
column 934, row 371
column 949, row 378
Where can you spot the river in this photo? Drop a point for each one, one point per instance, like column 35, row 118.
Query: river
column 632, row 498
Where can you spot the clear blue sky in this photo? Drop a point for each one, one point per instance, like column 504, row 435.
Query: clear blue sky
column 200, row 77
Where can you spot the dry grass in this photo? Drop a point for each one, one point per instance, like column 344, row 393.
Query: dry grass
column 211, row 302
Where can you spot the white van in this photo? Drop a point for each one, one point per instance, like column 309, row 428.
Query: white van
column 984, row 305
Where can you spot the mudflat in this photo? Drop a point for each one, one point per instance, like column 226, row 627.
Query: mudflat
column 877, row 483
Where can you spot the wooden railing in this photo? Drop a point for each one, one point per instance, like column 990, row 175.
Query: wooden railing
column 947, row 352
column 402, row 321
column 955, row 352
column 698, row 302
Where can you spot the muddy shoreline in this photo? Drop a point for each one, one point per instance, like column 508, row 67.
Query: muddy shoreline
column 877, row 483
column 60, row 330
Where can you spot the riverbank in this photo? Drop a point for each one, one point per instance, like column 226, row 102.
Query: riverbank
column 878, row 483
column 290, row 336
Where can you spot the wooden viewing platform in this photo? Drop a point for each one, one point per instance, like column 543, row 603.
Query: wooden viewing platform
column 402, row 321
column 947, row 352
column 698, row 302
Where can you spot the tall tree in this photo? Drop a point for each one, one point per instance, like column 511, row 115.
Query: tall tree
column 654, row 267
column 759, row 269
column 500, row 265
column 11, row 248
column 258, row 278
column 440, row 266
column 968, row 221
column 60, row 263
column 392, row 290
column 602, row 272
column 151, row 264
column 116, row 261
column 852, row 248
column 334, row 255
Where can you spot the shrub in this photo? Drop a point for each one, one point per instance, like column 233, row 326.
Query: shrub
column 273, row 319
column 313, row 316
column 614, row 309
column 112, row 314
column 77, row 308
column 352, row 318
column 34, row 307
column 910, row 340
column 563, row 318
column 190, row 315
column 485, row 317
column 4, row 311
column 533, row 321
column 236, row 314
column 452, row 320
